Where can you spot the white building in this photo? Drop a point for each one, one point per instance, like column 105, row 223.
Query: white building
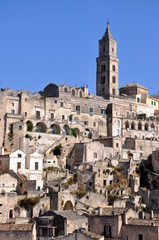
column 17, row 161
column 36, row 169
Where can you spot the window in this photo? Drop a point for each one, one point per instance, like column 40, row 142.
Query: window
column 12, row 111
column 63, row 117
column 133, row 115
column 128, row 115
column 103, row 112
column 12, row 104
column 104, row 183
column 91, row 111
column 102, row 89
column 52, row 117
column 140, row 237
column 151, row 102
column 102, row 79
column 55, row 101
column 112, row 49
column 103, row 49
column 25, row 113
column 117, row 132
column 154, row 103
column 78, row 109
column 87, row 197
column 18, row 165
column 138, row 99
column 113, row 91
column 130, row 107
column 118, row 123
column 113, row 67
column 20, row 127
column 36, row 165
column 94, row 124
column 140, row 147
column 25, row 99
column 107, row 231
column 95, row 155
column 113, row 79
column 37, row 114
column 86, row 123
column 117, row 144
column 61, row 104
column 19, row 155
column 103, row 68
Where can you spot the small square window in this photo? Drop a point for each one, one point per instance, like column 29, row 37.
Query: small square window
column 55, row 101
column 113, row 67
column 94, row 124
column 12, row 111
column 117, row 144
column 103, row 68
column 113, row 79
column 25, row 113
column 113, row 91
column 26, row 99
column 12, row 104
column 86, row 123
column 102, row 80
column 61, row 104
column 91, row 111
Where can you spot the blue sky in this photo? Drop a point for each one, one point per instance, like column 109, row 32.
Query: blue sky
column 43, row 41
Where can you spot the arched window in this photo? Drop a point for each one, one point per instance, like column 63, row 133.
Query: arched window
column 126, row 124
column 152, row 126
column 132, row 125
column 146, row 126
column 139, row 126
column 11, row 213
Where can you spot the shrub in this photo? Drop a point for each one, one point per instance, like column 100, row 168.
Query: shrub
column 73, row 132
column 28, row 202
column 90, row 135
column 29, row 127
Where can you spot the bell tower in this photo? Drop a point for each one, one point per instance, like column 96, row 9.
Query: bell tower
column 107, row 66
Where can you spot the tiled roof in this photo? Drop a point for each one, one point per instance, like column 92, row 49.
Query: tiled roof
column 16, row 227
column 134, row 84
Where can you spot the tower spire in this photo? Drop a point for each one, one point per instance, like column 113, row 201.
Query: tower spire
column 107, row 33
